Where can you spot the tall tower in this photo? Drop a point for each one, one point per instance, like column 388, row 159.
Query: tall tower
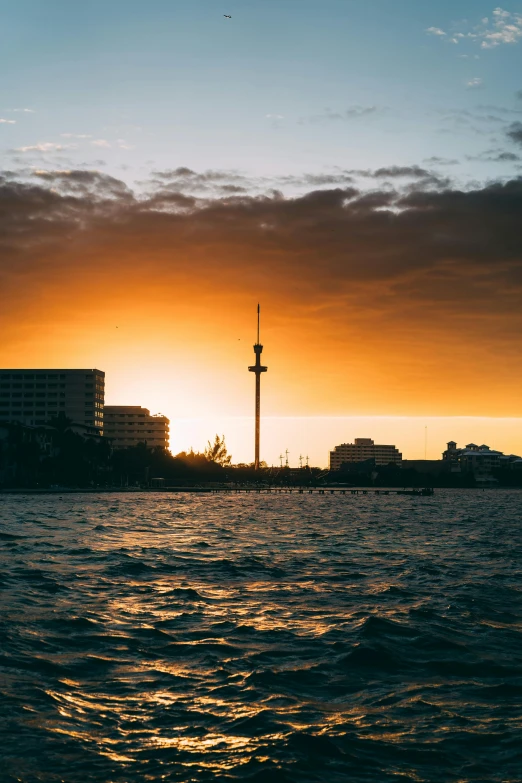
column 258, row 369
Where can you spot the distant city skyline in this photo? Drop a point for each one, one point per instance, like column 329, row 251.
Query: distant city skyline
column 355, row 167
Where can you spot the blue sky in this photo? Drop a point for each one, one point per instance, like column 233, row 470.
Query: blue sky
column 283, row 87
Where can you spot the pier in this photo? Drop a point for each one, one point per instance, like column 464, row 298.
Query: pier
column 220, row 490
column 425, row 492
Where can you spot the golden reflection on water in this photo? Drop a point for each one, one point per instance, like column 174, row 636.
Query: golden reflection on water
column 211, row 651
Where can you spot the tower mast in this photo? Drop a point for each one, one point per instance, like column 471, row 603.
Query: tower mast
column 257, row 368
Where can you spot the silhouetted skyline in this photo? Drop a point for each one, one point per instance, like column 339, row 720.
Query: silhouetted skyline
column 367, row 191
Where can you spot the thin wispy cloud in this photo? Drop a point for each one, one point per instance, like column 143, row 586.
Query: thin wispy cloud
column 24, row 111
column 46, row 146
column 351, row 113
column 7, row 122
column 100, row 143
column 76, row 135
column 474, row 84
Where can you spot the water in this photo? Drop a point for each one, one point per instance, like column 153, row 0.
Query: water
column 261, row 638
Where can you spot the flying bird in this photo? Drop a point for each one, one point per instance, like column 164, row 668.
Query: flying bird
column 227, row 16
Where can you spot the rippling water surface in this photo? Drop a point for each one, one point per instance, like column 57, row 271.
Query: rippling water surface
column 264, row 638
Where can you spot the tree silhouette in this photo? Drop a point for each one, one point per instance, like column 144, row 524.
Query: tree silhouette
column 61, row 423
column 217, row 452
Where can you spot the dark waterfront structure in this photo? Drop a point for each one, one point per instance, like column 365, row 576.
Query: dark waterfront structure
column 258, row 369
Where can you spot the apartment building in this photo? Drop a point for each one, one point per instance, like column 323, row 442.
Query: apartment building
column 361, row 450
column 128, row 425
column 34, row 397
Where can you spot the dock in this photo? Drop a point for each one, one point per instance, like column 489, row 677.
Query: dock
column 425, row 492
column 220, row 490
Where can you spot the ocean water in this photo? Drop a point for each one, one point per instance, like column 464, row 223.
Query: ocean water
column 261, row 638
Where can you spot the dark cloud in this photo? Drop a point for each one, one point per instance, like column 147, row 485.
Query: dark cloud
column 495, row 156
column 402, row 171
column 83, row 182
column 515, row 132
column 212, row 181
column 506, row 157
column 327, row 239
column 422, row 177
column 436, row 161
column 316, row 180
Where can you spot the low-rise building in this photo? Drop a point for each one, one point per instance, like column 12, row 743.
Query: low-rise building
column 361, row 450
column 128, row 425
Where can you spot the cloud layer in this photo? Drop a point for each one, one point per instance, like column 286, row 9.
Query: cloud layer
column 431, row 274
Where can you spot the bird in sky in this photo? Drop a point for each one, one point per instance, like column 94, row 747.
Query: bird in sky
column 227, row 16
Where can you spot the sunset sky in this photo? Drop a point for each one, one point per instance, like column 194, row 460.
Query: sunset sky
column 354, row 165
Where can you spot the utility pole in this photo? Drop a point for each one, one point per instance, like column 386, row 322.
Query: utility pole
column 281, row 460
column 286, row 463
column 301, row 461
column 257, row 368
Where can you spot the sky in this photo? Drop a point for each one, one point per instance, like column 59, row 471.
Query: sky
column 354, row 165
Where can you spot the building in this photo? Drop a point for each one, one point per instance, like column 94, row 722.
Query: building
column 34, row 397
column 128, row 425
column 480, row 461
column 363, row 449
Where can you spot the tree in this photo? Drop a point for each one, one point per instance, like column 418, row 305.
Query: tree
column 217, row 452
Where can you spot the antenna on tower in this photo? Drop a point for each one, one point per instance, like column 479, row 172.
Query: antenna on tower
column 281, row 459
column 286, row 463
column 301, row 461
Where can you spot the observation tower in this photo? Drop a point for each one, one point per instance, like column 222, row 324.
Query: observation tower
column 258, row 369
